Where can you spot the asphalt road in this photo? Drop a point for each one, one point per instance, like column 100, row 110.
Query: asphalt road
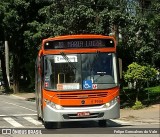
column 20, row 114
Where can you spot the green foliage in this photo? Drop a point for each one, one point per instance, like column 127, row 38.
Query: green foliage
column 139, row 75
column 140, row 36
column 153, row 89
column 138, row 105
column 147, row 96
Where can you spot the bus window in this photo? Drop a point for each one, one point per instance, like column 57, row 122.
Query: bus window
column 98, row 68
column 63, row 72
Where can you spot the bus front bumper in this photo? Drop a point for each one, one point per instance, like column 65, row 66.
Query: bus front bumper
column 64, row 114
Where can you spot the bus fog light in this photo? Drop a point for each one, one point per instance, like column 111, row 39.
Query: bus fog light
column 114, row 101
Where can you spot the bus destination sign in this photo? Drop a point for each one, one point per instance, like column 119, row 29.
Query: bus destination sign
column 79, row 43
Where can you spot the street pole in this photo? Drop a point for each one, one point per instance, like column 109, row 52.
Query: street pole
column 7, row 61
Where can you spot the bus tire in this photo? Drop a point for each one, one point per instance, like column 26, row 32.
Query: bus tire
column 50, row 125
column 38, row 117
column 102, row 123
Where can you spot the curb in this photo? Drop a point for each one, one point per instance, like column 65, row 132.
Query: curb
column 19, row 97
column 23, row 98
column 142, row 121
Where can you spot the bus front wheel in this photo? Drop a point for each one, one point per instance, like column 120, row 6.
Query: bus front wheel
column 50, row 125
column 102, row 123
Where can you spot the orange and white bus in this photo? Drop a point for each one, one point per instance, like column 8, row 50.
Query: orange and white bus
column 77, row 79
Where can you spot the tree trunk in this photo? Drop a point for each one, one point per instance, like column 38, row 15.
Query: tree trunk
column 138, row 89
column 116, row 31
column 6, row 84
column 15, row 74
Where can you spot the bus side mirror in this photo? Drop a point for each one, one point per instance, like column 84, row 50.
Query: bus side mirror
column 120, row 68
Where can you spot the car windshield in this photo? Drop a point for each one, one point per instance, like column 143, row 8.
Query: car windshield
column 87, row 71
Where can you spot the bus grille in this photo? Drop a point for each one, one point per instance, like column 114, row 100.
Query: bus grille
column 74, row 116
column 82, row 95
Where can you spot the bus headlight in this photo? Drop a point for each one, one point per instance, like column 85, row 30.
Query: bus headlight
column 58, row 106
column 53, row 105
column 107, row 105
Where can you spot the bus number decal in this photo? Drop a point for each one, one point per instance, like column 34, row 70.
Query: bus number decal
column 97, row 101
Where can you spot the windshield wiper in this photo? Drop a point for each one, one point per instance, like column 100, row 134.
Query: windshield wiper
column 68, row 60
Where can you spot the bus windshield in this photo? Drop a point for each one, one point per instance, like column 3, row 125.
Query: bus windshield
column 85, row 71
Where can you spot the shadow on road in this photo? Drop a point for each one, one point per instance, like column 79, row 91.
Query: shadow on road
column 85, row 127
column 88, row 124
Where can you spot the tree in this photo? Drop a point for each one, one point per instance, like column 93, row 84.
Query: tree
column 140, row 36
column 17, row 14
column 2, row 39
column 26, row 22
column 138, row 75
column 14, row 24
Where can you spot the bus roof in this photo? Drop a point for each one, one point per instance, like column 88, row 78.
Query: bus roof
column 74, row 37
column 79, row 36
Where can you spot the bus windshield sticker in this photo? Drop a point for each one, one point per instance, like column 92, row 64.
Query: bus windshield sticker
column 87, row 84
column 94, row 86
column 46, row 84
column 101, row 73
column 61, row 59
column 68, row 86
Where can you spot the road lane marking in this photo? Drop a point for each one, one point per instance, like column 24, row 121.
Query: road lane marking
column 13, row 122
column 119, row 121
column 20, row 106
column 3, row 115
column 18, row 115
column 32, row 121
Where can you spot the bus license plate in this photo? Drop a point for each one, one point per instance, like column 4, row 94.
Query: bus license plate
column 83, row 114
